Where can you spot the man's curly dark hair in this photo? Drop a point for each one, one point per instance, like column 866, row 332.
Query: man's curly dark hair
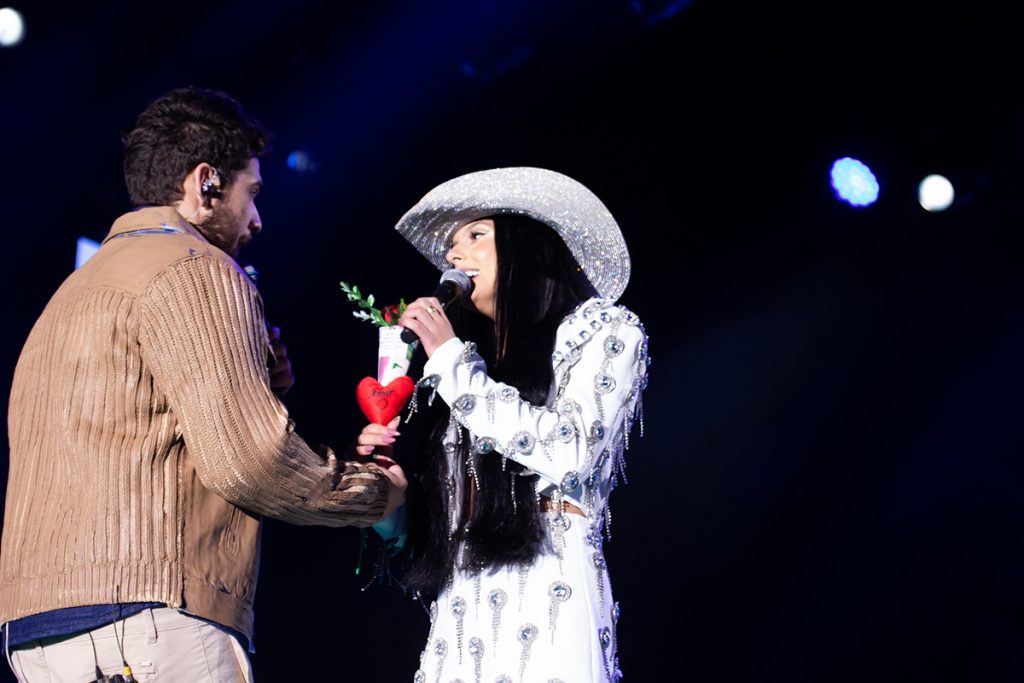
column 180, row 130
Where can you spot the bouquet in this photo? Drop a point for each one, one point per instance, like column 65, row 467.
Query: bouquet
column 383, row 398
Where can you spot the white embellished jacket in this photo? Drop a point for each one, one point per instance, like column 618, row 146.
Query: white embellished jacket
column 576, row 443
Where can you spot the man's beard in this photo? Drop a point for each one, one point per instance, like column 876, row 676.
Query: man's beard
column 222, row 229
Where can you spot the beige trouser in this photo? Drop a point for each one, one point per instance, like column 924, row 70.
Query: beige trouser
column 160, row 644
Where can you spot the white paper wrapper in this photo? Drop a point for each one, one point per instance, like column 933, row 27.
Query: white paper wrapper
column 393, row 355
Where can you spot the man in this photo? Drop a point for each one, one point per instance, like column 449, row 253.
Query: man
column 146, row 439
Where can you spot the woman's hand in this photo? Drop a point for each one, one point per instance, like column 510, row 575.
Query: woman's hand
column 378, row 439
column 427, row 319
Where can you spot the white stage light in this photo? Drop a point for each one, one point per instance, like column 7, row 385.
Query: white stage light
column 935, row 193
column 12, row 27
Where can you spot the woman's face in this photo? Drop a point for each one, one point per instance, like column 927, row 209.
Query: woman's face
column 474, row 252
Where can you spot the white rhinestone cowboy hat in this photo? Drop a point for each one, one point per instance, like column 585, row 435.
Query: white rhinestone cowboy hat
column 574, row 212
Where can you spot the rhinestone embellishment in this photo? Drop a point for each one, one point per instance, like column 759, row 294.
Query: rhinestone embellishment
column 484, row 445
column 565, row 431
column 613, row 346
column 604, row 383
column 497, row 599
column 526, row 634
column 508, row 394
column 465, row 404
column 570, row 481
column 560, row 591
column 523, row 442
column 476, row 651
column 429, row 382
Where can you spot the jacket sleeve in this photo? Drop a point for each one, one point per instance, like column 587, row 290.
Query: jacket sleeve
column 598, row 380
column 203, row 337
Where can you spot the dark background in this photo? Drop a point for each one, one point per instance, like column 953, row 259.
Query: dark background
column 830, row 484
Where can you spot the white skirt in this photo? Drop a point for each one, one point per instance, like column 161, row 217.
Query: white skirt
column 551, row 621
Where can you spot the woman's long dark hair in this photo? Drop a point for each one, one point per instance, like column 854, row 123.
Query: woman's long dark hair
column 538, row 284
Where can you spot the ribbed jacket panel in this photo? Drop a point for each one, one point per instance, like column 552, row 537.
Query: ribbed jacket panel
column 212, row 360
column 91, row 511
column 147, row 369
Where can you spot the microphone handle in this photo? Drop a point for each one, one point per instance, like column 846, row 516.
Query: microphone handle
column 445, row 293
column 408, row 336
column 254, row 275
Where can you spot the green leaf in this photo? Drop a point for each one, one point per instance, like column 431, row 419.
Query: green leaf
column 369, row 299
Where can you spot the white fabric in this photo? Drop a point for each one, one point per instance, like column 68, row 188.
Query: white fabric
column 572, row 651
column 160, row 644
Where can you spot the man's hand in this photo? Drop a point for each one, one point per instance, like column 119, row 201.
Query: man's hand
column 376, row 441
column 281, row 377
column 396, row 492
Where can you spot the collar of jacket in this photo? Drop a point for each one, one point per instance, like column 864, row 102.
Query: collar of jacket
column 152, row 217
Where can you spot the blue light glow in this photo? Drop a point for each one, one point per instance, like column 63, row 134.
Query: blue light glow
column 84, row 251
column 300, row 161
column 854, row 182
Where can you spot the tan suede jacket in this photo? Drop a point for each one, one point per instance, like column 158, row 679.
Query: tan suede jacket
column 145, row 442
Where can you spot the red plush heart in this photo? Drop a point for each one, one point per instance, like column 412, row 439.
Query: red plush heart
column 380, row 404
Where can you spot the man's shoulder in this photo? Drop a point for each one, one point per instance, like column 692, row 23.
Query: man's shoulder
column 138, row 251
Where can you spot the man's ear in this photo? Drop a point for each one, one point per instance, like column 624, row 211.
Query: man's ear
column 209, row 182
column 195, row 205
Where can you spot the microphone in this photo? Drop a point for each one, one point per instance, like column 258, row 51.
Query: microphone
column 454, row 283
column 254, row 275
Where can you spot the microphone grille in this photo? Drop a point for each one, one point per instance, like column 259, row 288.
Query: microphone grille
column 457, row 278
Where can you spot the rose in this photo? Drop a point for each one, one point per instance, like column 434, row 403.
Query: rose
column 392, row 313
column 382, row 317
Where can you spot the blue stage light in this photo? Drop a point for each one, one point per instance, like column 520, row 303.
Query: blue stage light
column 300, row 161
column 853, row 182
column 656, row 11
column 84, row 250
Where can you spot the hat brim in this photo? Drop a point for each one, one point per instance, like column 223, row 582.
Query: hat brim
column 568, row 207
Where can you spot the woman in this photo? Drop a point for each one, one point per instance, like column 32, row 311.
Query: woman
column 538, row 403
